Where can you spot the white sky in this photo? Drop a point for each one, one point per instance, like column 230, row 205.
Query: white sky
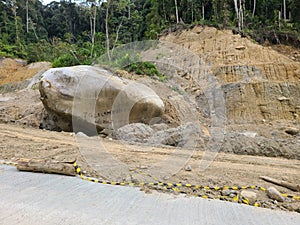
column 45, row 2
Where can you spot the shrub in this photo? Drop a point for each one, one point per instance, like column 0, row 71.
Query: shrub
column 65, row 60
column 143, row 68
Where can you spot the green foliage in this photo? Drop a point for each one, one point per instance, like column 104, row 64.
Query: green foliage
column 15, row 51
column 61, row 31
column 65, row 60
column 40, row 51
column 120, row 58
column 146, row 68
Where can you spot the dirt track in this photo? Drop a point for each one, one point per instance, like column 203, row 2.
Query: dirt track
column 227, row 169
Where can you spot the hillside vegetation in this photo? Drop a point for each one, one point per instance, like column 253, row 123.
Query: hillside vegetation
column 77, row 32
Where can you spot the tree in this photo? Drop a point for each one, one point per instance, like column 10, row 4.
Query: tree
column 238, row 4
column 107, row 30
column 27, row 17
column 123, row 13
column 295, row 8
column 203, row 9
column 254, row 8
column 176, row 11
column 86, row 30
column 93, row 17
column 284, row 10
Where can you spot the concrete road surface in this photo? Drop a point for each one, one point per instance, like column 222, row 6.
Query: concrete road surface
column 32, row 198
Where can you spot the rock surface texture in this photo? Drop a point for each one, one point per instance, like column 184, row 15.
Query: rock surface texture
column 95, row 98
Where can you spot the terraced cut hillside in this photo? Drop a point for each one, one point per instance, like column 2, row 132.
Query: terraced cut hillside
column 261, row 85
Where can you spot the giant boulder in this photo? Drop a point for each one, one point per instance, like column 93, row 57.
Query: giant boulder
column 89, row 98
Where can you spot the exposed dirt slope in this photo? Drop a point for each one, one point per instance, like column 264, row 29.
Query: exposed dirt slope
column 260, row 83
column 226, row 50
column 14, row 70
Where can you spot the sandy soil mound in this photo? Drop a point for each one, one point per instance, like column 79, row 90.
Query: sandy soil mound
column 19, row 98
column 15, row 70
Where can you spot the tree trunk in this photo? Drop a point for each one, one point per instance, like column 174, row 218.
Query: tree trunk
column 192, row 11
column 284, row 10
column 117, row 37
column 164, row 9
column 46, row 166
column 254, row 8
column 203, row 11
column 107, row 31
column 239, row 8
column 27, row 17
column 236, row 8
column 129, row 10
column 34, row 31
column 92, row 36
column 94, row 29
column 279, row 18
column 14, row 9
column 176, row 12
column 242, row 9
column 238, row 15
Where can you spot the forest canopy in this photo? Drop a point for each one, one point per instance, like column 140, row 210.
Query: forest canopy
column 77, row 32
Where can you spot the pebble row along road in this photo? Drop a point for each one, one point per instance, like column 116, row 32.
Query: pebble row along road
column 32, row 198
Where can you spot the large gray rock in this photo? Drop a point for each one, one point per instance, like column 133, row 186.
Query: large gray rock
column 187, row 135
column 95, row 98
column 134, row 133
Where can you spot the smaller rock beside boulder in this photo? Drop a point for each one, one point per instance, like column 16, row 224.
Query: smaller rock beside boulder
column 136, row 132
column 188, row 168
column 250, row 195
column 292, row 131
column 185, row 135
column 274, row 194
column 230, row 193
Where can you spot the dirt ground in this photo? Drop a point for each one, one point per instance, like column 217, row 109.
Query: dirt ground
column 227, row 169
